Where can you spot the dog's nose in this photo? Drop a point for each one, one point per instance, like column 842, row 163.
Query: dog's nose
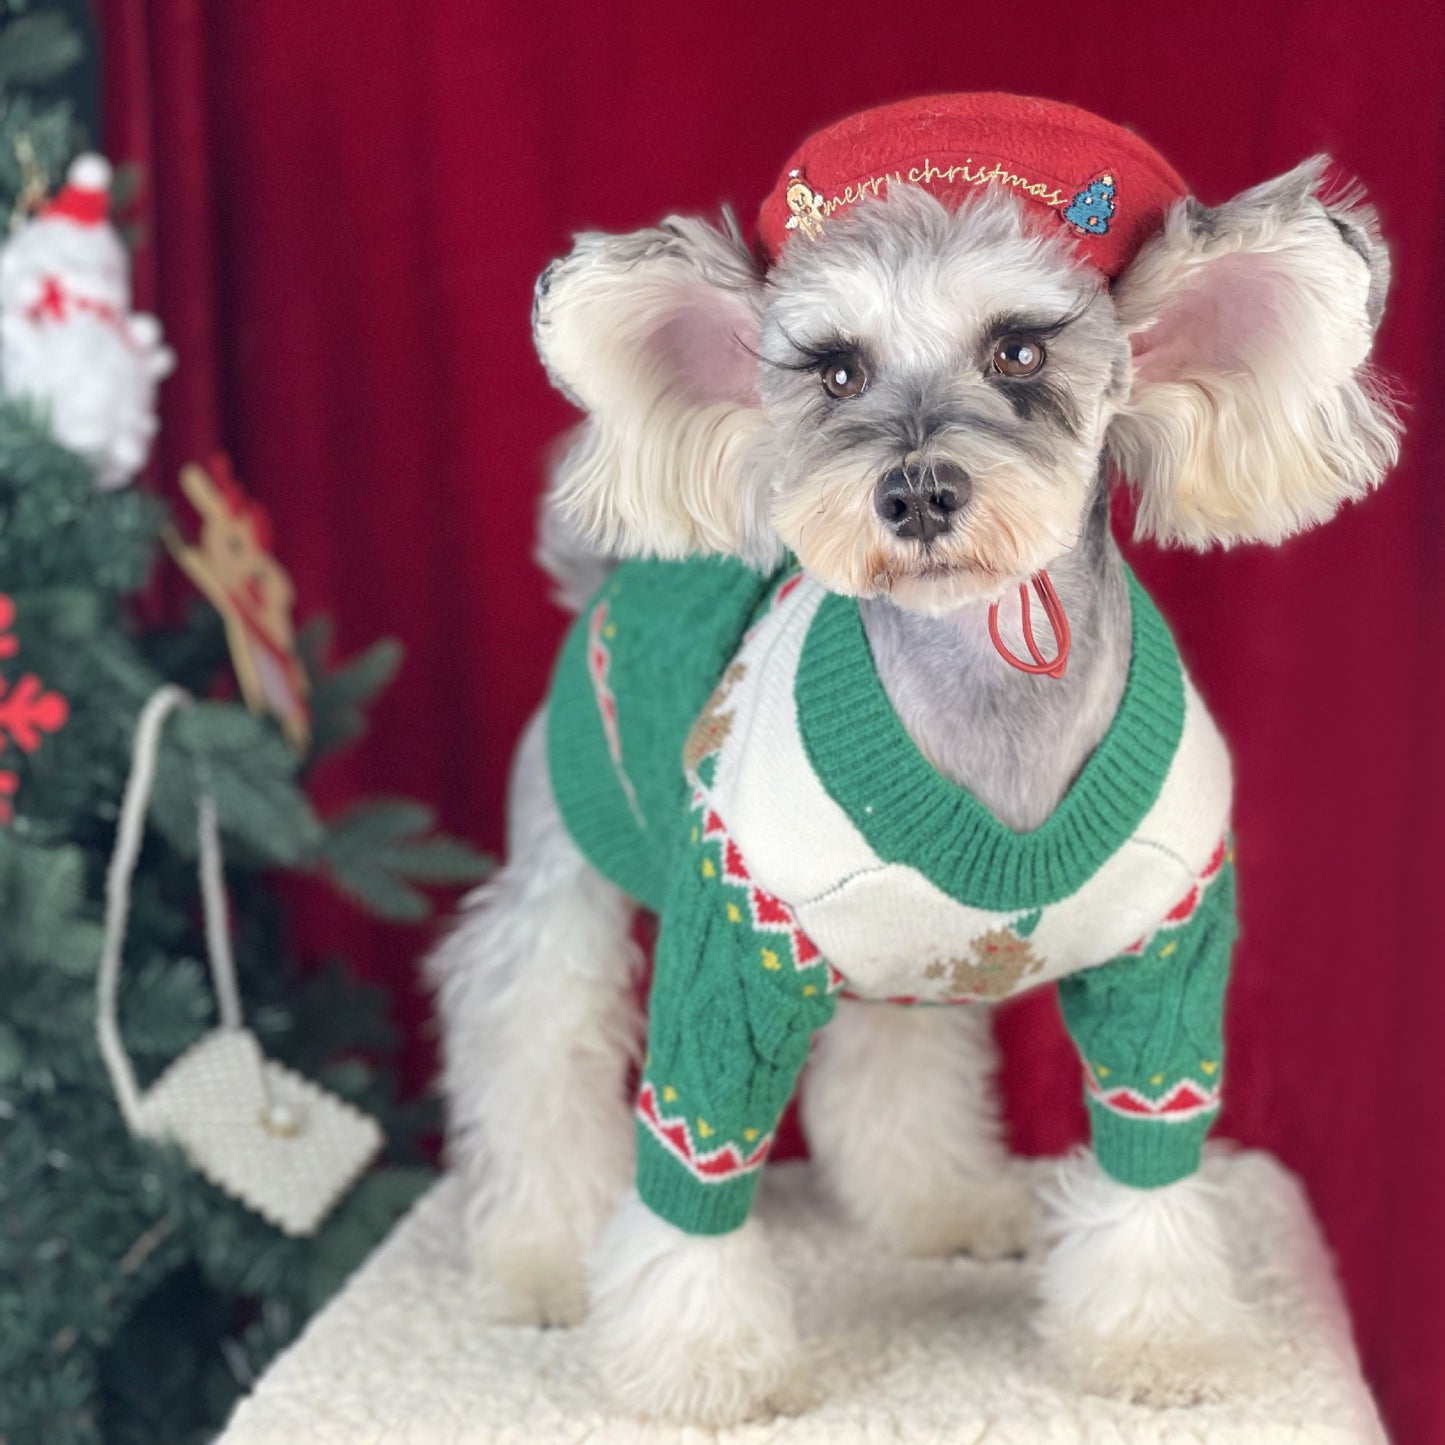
column 919, row 502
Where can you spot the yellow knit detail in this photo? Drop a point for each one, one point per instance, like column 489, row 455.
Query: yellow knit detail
column 1209, row 1065
column 734, row 913
column 704, row 1128
column 1169, row 948
column 708, row 870
column 770, row 960
column 669, row 1094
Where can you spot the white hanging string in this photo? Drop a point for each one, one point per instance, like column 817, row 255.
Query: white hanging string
column 213, row 903
column 128, row 835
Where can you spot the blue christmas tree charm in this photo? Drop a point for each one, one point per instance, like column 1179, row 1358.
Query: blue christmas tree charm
column 1091, row 208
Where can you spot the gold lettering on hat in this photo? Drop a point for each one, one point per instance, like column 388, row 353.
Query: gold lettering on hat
column 970, row 172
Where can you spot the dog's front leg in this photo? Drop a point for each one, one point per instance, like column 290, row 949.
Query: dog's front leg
column 1138, row 1297
column 691, row 1320
column 689, row 1327
column 539, row 1025
column 901, row 1116
column 1138, row 1294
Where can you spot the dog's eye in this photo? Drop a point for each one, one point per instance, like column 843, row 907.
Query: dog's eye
column 843, row 376
column 1017, row 356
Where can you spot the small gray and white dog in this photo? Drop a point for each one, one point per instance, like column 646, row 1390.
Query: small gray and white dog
column 969, row 362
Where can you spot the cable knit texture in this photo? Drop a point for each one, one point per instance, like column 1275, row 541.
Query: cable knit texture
column 797, row 843
column 659, row 633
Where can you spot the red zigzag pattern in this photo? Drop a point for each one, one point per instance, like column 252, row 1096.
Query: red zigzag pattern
column 1187, row 906
column 769, row 913
column 1185, row 1100
column 716, row 1166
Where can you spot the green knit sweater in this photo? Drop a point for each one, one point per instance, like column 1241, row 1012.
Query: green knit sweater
column 722, row 748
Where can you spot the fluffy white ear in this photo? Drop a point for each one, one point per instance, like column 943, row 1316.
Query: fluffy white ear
column 653, row 335
column 1251, row 413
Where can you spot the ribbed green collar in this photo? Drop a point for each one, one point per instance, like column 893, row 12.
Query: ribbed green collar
column 912, row 814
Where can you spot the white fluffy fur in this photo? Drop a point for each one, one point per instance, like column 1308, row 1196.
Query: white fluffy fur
column 1138, row 1296
column 540, row 1024
column 900, row 1113
column 1252, row 413
column 650, row 333
column 689, row 1327
column 1246, row 413
column 568, row 557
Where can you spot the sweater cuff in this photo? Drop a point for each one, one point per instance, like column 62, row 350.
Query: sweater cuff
column 1148, row 1153
column 687, row 1198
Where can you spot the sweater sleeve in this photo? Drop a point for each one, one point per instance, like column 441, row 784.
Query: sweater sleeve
column 1148, row 1027
column 738, row 991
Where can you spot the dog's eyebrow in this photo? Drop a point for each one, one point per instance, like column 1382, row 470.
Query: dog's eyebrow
column 812, row 354
column 1035, row 324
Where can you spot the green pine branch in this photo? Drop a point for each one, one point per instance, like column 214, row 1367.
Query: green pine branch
column 136, row 1299
column 341, row 694
column 242, row 762
column 36, row 49
column 48, row 920
column 379, row 850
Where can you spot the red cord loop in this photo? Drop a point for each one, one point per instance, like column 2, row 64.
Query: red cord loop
column 1054, row 611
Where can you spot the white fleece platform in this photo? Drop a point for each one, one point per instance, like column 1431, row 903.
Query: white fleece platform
column 899, row 1351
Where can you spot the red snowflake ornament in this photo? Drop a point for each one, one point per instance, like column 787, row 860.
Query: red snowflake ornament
column 27, row 711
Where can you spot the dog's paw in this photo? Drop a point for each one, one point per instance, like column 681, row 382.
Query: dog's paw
column 697, row 1378
column 1159, row 1371
column 690, row 1328
column 1138, row 1298
column 526, row 1276
column 536, row 1291
column 997, row 1218
column 988, row 1219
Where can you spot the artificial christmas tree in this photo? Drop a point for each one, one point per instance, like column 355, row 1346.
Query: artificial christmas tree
column 136, row 1298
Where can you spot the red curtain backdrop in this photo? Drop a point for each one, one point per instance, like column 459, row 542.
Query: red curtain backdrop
column 346, row 206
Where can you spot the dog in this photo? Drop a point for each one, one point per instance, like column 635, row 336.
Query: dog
column 817, row 731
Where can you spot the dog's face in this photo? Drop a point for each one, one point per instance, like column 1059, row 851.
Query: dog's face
column 937, row 385
column 920, row 401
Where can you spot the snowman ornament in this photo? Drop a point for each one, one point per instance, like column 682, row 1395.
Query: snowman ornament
column 69, row 341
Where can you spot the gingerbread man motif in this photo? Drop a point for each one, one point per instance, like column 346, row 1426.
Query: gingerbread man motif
column 232, row 564
column 713, row 725
column 1001, row 961
column 806, row 204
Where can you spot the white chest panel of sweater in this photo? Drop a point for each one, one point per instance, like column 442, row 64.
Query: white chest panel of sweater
column 887, row 926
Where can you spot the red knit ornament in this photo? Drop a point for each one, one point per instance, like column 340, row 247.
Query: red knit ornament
column 1097, row 182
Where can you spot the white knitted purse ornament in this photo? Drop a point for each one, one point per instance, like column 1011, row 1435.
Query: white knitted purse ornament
column 263, row 1133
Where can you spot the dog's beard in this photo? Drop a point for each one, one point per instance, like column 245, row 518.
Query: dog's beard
column 1017, row 521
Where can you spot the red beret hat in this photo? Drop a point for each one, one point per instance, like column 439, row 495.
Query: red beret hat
column 1101, row 183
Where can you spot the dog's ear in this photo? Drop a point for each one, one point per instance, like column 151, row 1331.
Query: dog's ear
column 1250, row 412
column 653, row 335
